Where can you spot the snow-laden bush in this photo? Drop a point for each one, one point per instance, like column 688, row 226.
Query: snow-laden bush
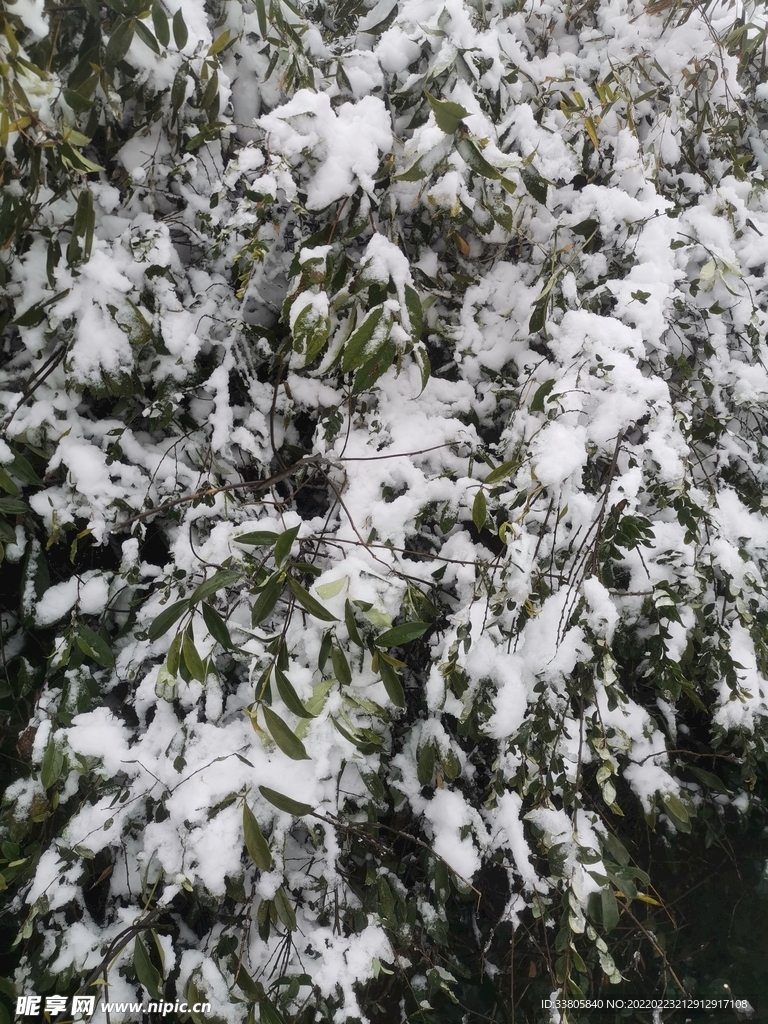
column 383, row 461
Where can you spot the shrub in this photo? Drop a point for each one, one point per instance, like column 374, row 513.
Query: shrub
column 383, row 523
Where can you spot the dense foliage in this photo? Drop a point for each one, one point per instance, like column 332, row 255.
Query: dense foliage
column 383, row 461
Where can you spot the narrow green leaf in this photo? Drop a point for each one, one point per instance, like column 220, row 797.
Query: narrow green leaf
column 616, row 849
column 289, row 696
column 255, row 842
column 413, row 173
column 425, row 766
column 376, row 367
column 261, row 15
column 536, row 185
column 7, row 484
column 502, row 472
column 341, row 668
column 192, row 659
column 53, row 762
column 284, row 544
column 268, row 598
column 180, row 33
column 677, row 812
column 284, row 909
column 537, row 403
column 448, row 115
column 710, row 780
column 355, row 350
column 479, row 510
column 166, row 619
column 609, row 909
column 13, row 507
column 119, row 44
column 219, row 580
column 538, row 318
column 351, row 624
column 331, row 589
column 146, row 972
column 286, row 803
column 146, row 36
column 160, row 23
column 285, row 738
column 259, row 538
column 174, row 655
column 402, row 634
column 392, row 684
column 415, row 313
column 310, row 603
column 218, row 44
column 94, row 646
column 217, row 627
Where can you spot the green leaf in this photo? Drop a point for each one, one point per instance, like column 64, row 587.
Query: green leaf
column 255, row 842
column 166, row 619
column 425, row 766
column 7, row 484
column 31, row 317
column 218, row 44
column 538, row 318
column 261, row 15
column 536, row 185
column 448, row 115
column 413, row 173
column 625, row 885
column 376, row 367
column 119, row 44
column 286, row 803
column 94, row 646
column 268, row 597
column 173, row 657
column 146, row 36
column 268, row 1012
column 616, row 848
column 356, row 348
column 537, row 403
column 217, row 627
column 351, row 624
column 259, row 538
column 309, row 603
column 479, row 510
column 289, row 696
column 341, row 668
column 23, row 471
column 160, row 23
column 415, row 313
column 677, row 812
column 284, row 544
column 392, row 683
column 402, row 634
column 53, row 762
column 13, row 507
column 480, row 165
column 331, row 589
column 180, row 33
column 146, row 972
column 285, row 738
column 609, row 909
column 219, row 580
column 284, row 909
column 709, row 780
column 192, row 659
column 502, row 472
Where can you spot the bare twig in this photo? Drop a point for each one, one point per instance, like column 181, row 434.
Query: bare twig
column 209, row 492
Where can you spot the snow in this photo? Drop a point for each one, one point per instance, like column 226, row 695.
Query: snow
column 556, row 635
